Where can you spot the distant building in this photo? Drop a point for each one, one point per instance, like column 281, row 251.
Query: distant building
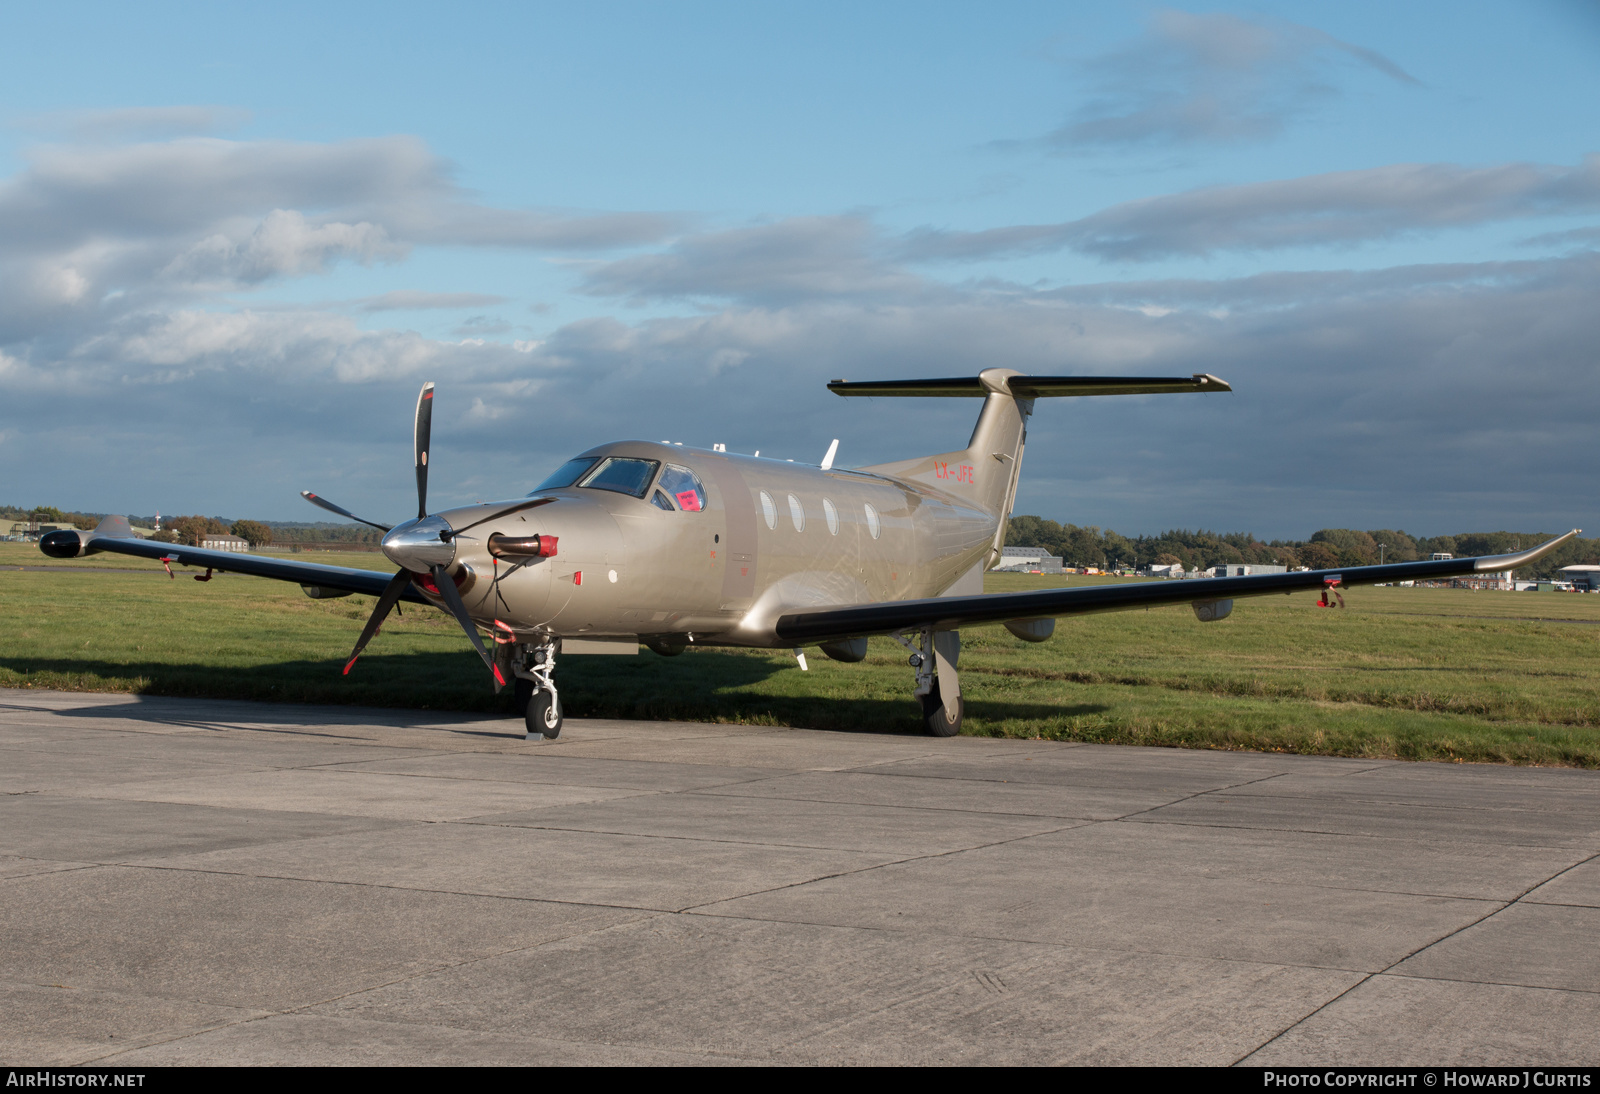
column 1242, row 569
column 1025, row 559
column 1163, row 569
column 1583, row 577
column 224, row 543
column 29, row 530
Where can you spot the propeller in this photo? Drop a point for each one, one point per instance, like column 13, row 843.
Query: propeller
column 452, row 597
column 324, row 503
column 422, row 437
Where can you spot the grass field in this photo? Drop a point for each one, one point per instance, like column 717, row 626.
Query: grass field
column 1437, row 674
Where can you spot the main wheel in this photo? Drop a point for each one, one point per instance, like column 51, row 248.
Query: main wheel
column 941, row 718
column 521, row 692
column 544, row 714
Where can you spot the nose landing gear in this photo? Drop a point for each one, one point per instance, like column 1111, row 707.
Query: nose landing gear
column 534, row 665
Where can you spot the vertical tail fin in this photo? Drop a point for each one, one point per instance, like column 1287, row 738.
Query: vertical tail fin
column 985, row 473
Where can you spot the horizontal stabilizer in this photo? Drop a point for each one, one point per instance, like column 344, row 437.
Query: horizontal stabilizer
column 1034, row 387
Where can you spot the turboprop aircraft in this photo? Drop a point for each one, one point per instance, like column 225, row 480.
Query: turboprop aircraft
column 667, row 546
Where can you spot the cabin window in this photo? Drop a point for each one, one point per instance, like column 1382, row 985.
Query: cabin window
column 622, row 475
column 660, row 502
column 567, row 474
column 684, row 487
column 797, row 513
column 769, row 510
column 872, row 521
column 833, row 516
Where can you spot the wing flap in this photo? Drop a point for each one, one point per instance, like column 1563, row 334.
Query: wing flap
column 949, row 613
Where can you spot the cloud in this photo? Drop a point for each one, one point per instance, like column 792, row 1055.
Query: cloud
column 88, row 232
column 139, row 122
column 796, row 258
column 1339, row 208
column 1209, row 79
column 483, row 326
column 1429, row 398
column 284, row 244
column 415, row 300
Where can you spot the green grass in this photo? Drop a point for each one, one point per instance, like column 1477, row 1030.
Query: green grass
column 1436, row 674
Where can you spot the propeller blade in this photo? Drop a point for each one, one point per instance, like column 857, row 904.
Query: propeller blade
column 324, row 503
column 506, row 512
column 391, row 597
column 422, row 436
column 452, row 597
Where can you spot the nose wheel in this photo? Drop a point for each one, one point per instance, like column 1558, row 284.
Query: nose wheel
column 543, row 716
column 535, row 690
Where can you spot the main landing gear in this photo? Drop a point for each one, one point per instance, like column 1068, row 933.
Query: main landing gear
column 534, row 665
column 934, row 658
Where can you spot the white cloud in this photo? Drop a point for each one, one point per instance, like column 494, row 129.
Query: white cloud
column 792, row 259
column 1210, row 78
column 284, row 244
column 1338, row 208
column 139, row 122
column 160, row 224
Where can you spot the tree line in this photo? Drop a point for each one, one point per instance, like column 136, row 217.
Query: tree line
column 1328, row 548
column 190, row 530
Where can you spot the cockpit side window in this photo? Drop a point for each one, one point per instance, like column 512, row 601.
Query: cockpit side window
column 567, row 474
column 684, row 487
column 622, row 475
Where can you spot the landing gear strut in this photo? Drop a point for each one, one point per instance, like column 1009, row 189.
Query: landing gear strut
column 934, row 658
column 534, row 665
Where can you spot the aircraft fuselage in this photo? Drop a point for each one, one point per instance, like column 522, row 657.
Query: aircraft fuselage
column 768, row 536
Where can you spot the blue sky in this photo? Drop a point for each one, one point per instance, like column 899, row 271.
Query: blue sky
column 232, row 246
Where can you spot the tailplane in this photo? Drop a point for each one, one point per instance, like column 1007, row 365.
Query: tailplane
column 985, row 473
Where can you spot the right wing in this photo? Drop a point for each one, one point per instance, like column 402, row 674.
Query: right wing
column 952, row 612
column 114, row 534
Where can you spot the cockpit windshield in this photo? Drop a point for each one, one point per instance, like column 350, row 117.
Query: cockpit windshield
column 624, row 475
column 567, row 474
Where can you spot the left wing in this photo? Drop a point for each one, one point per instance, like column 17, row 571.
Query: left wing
column 949, row 613
column 114, row 534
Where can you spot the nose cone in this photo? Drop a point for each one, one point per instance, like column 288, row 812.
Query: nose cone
column 420, row 545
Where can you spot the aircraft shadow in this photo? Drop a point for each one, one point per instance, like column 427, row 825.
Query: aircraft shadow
column 705, row 685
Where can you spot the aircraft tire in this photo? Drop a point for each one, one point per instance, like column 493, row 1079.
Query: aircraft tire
column 544, row 715
column 938, row 720
column 521, row 692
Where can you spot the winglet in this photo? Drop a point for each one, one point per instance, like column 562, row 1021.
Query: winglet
column 1522, row 558
column 833, row 450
